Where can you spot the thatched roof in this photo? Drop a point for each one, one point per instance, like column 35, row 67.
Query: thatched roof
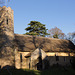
column 30, row 43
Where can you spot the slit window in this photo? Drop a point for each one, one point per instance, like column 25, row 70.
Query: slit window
column 7, row 20
column 20, row 57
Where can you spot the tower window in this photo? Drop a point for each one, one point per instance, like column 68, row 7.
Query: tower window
column 6, row 20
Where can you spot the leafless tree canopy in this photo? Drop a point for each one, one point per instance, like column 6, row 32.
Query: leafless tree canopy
column 56, row 33
column 2, row 1
column 71, row 37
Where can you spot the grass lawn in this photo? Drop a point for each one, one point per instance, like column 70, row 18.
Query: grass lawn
column 52, row 71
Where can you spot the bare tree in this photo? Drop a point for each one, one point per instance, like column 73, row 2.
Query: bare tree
column 71, row 37
column 56, row 33
column 4, row 2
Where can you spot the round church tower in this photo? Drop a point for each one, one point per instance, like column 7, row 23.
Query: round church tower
column 6, row 36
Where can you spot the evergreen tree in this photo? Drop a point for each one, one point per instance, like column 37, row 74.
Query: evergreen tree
column 36, row 28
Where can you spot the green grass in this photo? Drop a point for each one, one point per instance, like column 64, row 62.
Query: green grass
column 52, row 71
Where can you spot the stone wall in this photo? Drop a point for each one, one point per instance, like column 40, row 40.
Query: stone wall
column 49, row 60
column 6, row 36
column 21, row 61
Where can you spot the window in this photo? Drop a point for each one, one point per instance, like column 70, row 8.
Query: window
column 70, row 61
column 64, row 59
column 20, row 57
column 57, row 58
column 6, row 20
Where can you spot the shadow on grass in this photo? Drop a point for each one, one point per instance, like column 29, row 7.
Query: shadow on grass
column 59, row 71
column 51, row 71
column 19, row 72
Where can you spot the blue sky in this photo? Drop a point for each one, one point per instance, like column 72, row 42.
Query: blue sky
column 59, row 13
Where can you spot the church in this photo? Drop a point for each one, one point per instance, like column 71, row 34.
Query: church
column 30, row 52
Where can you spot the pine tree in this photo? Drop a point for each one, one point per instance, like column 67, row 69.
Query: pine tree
column 36, row 28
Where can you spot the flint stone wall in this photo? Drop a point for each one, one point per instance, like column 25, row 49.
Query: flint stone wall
column 6, row 36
